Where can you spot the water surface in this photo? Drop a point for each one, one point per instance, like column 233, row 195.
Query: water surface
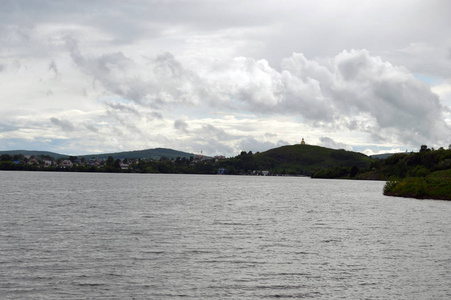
column 144, row 236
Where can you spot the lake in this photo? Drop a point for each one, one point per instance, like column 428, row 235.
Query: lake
column 155, row 236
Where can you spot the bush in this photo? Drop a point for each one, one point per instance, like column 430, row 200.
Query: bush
column 390, row 186
column 422, row 172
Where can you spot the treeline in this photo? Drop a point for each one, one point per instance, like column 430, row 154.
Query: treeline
column 248, row 163
column 339, row 172
column 400, row 165
column 419, row 164
column 179, row 165
column 426, row 174
column 286, row 160
column 243, row 164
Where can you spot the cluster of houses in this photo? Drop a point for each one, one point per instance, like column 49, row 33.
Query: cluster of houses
column 202, row 158
column 66, row 163
column 124, row 164
column 223, row 171
column 100, row 162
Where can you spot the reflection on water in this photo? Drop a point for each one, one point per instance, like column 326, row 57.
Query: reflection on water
column 143, row 236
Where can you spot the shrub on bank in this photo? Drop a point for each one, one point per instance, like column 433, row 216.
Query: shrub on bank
column 419, row 187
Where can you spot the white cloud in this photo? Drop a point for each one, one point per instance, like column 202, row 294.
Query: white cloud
column 444, row 92
column 65, row 125
column 225, row 75
column 181, row 125
column 330, row 143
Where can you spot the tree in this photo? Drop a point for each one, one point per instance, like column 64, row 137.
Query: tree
column 110, row 161
column 424, row 148
column 117, row 163
column 354, row 171
column 18, row 157
column 6, row 157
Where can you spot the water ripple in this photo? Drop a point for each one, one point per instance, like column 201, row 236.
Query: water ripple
column 133, row 236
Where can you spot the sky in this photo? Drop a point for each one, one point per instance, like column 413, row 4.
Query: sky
column 221, row 77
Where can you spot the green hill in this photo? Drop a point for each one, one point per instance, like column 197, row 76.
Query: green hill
column 297, row 160
column 155, row 154
column 34, row 153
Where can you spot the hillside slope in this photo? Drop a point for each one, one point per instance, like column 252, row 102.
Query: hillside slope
column 33, row 153
column 156, row 154
column 297, row 160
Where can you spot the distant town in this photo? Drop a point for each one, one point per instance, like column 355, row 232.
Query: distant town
column 159, row 160
column 83, row 164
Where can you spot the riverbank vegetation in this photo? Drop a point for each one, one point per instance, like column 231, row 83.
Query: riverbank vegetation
column 436, row 185
column 425, row 174
column 300, row 160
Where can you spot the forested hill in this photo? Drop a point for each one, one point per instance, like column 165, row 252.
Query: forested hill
column 156, row 154
column 33, row 153
column 297, row 160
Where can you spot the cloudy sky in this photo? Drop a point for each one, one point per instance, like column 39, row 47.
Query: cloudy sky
column 81, row 77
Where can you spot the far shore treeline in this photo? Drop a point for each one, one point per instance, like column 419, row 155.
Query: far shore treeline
column 423, row 174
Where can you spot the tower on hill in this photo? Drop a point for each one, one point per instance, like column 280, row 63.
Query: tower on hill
column 302, row 142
